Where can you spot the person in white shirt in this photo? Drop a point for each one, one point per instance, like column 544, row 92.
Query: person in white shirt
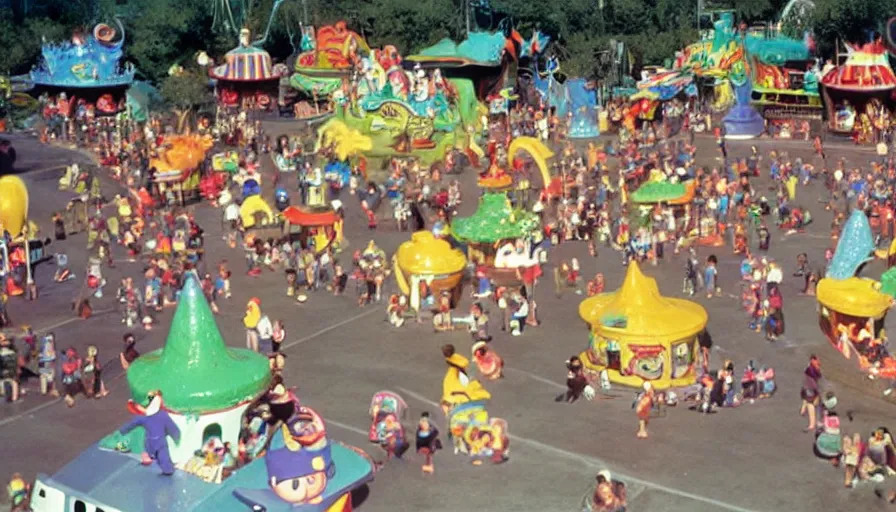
column 232, row 214
column 265, row 331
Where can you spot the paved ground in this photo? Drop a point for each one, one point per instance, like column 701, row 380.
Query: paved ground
column 754, row 458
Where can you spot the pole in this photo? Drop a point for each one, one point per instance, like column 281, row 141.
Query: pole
column 305, row 12
column 699, row 5
column 467, row 15
column 28, row 276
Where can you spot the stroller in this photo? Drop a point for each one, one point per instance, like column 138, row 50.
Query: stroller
column 828, row 442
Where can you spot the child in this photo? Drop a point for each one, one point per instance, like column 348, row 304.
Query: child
column 428, row 442
column 766, row 380
column 71, row 376
column 222, row 283
column 130, row 353
column 46, row 364
column 62, row 271
column 278, row 336
column 572, row 277
column 748, row 383
column 94, row 386
column 484, row 288
column 643, row 405
column 709, row 275
column 340, row 280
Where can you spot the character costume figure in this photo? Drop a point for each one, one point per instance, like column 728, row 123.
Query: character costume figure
column 428, row 441
column 489, row 363
column 158, row 425
column 577, row 383
column 386, row 411
column 298, row 471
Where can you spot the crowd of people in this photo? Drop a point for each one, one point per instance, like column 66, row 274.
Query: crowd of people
column 726, row 209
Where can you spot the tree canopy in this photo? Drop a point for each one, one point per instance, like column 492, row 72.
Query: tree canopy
column 165, row 32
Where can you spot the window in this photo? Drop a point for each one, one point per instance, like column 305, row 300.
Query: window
column 212, row 430
column 79, row 506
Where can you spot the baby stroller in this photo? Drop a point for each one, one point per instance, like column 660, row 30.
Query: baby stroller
column 828, row 442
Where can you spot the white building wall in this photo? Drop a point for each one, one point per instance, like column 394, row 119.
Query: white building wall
column 192, row 427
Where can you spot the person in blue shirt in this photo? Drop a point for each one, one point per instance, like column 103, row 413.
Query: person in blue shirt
column 709, row 275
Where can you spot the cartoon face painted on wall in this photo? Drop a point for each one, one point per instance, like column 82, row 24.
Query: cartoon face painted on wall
column 298, row 472
column 302, row 489
column 682, row 359
column 597, row 350
column 646, row 361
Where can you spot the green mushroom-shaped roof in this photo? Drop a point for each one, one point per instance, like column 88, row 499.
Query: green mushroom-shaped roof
column 495, row 220
column 195, row 371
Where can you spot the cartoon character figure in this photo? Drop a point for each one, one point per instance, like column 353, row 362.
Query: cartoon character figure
column 457, row 387
column 646, row 361
column 386, row 411
column 682, row 360
column 428, row 441
column 489, row 363
column 17, row 490
column 158, row 425
column 298, row 471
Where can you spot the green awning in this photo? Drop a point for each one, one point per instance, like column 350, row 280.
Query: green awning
column 321, row 86
column 494, row 220
column 655, row 192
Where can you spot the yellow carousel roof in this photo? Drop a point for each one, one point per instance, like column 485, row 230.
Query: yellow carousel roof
column 855, row 296
column 637, row 311
column 425, row 254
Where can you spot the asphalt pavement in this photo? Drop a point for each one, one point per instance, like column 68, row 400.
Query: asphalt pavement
column 752, row 458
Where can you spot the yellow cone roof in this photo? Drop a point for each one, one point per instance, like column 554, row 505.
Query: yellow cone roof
column 855, row 296
column 425, row 254
column 647, row 315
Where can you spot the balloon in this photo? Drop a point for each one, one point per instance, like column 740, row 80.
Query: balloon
column 13, row 204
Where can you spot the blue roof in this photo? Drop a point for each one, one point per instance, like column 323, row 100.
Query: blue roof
column 119, row 480
column 88, row 64
column 479, row 47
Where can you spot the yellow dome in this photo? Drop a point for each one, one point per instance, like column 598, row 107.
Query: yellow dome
column 854, row 296
column 638, row 312
column 425, row 254
column 13, row 205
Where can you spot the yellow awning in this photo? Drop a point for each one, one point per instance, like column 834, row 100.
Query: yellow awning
column 638, row 312
column 855, row 296
column 425, row 254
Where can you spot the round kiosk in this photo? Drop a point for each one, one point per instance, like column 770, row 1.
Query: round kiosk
column 640, row 336
column 426, row 259
column 206, row 385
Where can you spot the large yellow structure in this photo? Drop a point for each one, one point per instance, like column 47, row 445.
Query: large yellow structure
column 640, row 336
column 856, row 296
column 434, row 261
column 13, row 205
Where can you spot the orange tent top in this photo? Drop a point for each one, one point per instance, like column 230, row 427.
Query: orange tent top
column 309, row 218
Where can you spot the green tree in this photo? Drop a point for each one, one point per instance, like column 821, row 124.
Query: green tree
column 184, row 92
column 848, row 21
column 21, row 43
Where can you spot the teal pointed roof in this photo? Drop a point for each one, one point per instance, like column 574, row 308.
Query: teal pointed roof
column 195, row 370
column 854, row 248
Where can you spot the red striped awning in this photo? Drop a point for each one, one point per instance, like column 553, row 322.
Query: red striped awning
column 862, row 71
